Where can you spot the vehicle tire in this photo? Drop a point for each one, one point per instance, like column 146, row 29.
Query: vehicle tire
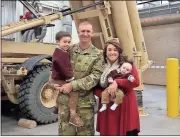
column 30, row 102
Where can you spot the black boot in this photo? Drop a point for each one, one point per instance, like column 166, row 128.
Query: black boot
column 55, row 111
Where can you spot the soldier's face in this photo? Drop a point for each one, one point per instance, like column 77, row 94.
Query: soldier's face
column 112, row 53
column 85, row 33
column 64, row 43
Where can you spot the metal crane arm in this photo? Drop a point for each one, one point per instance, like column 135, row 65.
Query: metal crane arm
column 23, row 25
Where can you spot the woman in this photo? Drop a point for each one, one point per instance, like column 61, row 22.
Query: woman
column 125, row 119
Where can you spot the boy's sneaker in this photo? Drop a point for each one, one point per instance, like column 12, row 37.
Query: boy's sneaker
column 76, row 120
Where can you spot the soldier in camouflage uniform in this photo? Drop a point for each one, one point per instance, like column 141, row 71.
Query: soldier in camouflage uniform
column 87, row 61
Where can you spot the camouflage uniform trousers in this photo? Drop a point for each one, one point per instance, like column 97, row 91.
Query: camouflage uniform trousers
column 66, row 129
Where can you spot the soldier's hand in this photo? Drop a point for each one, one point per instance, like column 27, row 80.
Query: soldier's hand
column 66, row 88
column 61, row 89
column 66, row 92
column 57, row 86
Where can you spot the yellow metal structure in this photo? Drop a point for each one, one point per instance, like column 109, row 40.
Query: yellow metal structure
column 141, row 57
column 172, row 90
column 123, row 27
column 22, row 25
column 137, row 31
column 21, row 49
column 95, row 22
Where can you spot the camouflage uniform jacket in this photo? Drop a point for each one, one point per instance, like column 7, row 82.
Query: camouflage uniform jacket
column 87, row 69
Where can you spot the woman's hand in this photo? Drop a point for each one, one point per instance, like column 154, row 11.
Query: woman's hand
column 113, row 85
column 112, row 89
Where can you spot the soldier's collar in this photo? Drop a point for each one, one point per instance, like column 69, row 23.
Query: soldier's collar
column 86, row 51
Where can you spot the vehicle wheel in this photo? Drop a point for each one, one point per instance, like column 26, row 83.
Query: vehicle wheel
column 36, row 99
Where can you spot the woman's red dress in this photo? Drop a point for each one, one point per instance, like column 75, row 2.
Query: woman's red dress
column 126, row 116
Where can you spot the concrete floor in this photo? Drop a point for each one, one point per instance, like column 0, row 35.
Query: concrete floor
column 157, row 123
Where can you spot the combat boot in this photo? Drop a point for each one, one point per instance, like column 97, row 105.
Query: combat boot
column 76, row 121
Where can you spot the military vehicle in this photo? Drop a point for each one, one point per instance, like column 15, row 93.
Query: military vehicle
column 26, row 65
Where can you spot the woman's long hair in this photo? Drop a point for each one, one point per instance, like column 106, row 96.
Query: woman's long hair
column 122, row 58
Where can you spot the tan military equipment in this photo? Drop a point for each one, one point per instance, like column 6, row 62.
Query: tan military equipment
column 26, row 65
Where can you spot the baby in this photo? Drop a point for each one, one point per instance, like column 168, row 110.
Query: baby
column 62, row 72
column 123, row 72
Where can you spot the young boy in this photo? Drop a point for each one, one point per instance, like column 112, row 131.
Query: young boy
column 62, row 72
column 123, row 72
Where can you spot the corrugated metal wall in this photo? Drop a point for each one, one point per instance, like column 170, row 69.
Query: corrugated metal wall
column 11, row 10
column 8, row 14
column 159, row 10
column 19, row 11
column 59, row 24
column 51, row 31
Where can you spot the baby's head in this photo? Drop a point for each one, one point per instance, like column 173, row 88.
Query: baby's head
column 126, row 68
column 63, row 39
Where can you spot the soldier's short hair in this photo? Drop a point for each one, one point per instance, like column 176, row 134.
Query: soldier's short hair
column 85, row 23
column 61, row 34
